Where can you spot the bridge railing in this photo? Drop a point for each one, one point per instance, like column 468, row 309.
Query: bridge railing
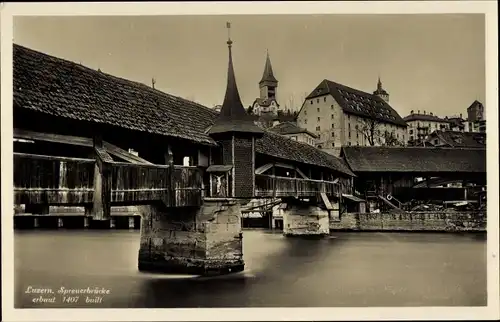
column 51, row 180
column 272, row 186
column 40, row 179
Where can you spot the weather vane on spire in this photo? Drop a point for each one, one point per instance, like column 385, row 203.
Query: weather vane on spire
column 228, row 26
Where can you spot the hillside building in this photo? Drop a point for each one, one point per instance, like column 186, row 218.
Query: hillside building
column 343, row 116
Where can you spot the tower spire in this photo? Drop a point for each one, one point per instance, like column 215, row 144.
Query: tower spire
column 233, row 116
column 268, row 75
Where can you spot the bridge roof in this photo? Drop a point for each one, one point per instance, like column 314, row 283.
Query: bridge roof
column 415, row 159
column 62, row 88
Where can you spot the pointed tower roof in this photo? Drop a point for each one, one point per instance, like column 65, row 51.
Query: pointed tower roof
column 233, row 117
column 380, row 90
column 268, row 75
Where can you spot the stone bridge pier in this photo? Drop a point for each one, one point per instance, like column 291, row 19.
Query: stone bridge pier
column 305, row 219
column 192, row 240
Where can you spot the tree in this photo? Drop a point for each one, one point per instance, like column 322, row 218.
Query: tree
column 373, row 132
column 391, row 140
column 370, row 129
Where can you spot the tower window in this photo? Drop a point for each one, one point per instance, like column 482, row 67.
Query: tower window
column 333, row 126
column 332, row 116
column 319, row 118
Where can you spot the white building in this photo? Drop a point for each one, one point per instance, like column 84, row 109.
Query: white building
column 343, row 116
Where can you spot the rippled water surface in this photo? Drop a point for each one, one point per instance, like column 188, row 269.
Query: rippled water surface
column 348, row 269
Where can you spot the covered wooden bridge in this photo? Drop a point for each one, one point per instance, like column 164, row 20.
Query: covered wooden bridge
column 84, row 137
column 395, row 174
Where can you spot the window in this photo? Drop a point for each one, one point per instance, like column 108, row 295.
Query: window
column 333, row 134
column 333, row 126
column 435, row 141
column 311, row 102
column 357, row 135
column 333, row 144
column 324, row 99
column 317, row 100
column 331, row 107
column 349, row 143
column 305, row 112
column 411, row 131
column 332, row 116
column 318, row 128
column 294, row 138
column 349, row 134
column 348, row 116
column 305, row 121
column 319, row 118
column 317, row 109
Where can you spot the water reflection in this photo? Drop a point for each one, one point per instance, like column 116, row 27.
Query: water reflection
column 348, row 269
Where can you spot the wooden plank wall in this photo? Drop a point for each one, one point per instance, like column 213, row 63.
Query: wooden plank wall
column 50, row 180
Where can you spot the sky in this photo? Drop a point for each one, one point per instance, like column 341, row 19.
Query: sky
column 434, row 62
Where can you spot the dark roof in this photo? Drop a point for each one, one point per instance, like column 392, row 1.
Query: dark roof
column 359, row 103
column 265, row 101
column 282, row 147
column 233, row 117
column 460, row 139
column 474, row 104
column 62, row 88
column 268, row 75
column 424, row 117
column 290, row 128
column 414, row 159
column 65, row 89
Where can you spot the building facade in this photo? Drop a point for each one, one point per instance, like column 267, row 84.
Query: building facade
column 342, row 116
column 420, row 125
column 292, row 131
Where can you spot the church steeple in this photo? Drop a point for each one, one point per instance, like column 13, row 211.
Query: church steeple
column 233, row 116
column 268, row 83
column 268, row 75
column 381, row 92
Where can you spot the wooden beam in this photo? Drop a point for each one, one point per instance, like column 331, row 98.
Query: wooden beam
column 101, row 208
column 55, row 138
column 264, row 168
column 123, row 154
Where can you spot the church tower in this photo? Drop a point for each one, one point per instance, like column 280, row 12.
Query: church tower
column 380, row 92
column 235, row 131
column 268, row 84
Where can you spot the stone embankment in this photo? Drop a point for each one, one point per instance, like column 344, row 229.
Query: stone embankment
column 412, row 221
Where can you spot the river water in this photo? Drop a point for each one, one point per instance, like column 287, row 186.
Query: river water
column 345, row 270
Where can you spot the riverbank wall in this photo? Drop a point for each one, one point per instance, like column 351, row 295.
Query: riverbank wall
column 411, row 221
